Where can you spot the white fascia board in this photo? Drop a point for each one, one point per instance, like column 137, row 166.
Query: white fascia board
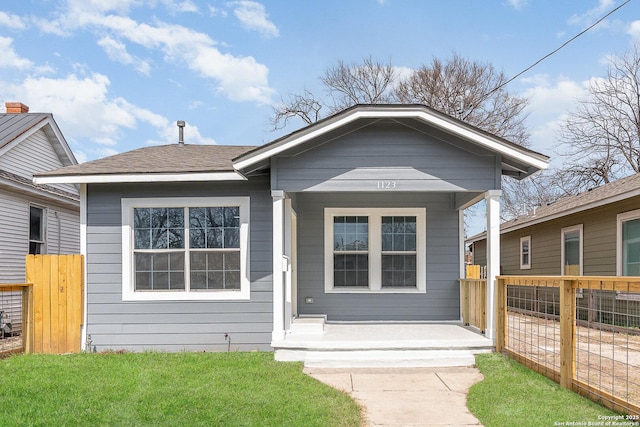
column 425, row 116
column 122, row 178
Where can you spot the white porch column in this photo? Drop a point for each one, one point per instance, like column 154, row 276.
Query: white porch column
column 278, row 257
column 492, row 198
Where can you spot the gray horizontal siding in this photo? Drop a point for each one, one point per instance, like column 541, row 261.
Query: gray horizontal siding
column 441, row 301
column 33, row 155
column 62, row 236
column 175, row 325
column 413, row 161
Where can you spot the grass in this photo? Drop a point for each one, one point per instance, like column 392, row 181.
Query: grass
column 512, row 394
column 167, row 389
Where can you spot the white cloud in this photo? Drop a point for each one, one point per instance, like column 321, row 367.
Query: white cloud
column 117, row 51
column 634, row 30
column 591, row 15
column 185, row 6
column 240, row 78
column 12, row 21
column 517, row 4
column 83, row 109
column 9, row 57
column 253, row 16
column 550, row 102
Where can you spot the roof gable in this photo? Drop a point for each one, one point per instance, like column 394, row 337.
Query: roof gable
column 16, row 128
column 516, row 160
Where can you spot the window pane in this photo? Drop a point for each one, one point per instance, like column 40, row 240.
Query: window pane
column 572, row 253
column 217, row 227
column 158, row 228
column 159, row 271
column 142, row 218
column 232, row 237
column 215, row 270
column 398, row 233
column 350, row 233
column 36, row 229
column 142, row 239
column 351, row 270
column 398, row 271
column 631, row 248
column 35, row 248
column 232, row 217
column 197, row 238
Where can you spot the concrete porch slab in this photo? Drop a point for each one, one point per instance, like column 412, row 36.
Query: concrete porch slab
column 384, row 345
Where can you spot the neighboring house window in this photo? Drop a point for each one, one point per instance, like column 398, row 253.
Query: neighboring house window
column 628, row 244
column 185, row 248
column 36, row 230
column 375, row 250
column 571, row 251
column 525, row 253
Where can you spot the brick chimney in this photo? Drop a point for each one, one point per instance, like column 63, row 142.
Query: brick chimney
column 16, row 108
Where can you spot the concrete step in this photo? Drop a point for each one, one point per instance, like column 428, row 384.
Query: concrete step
column 380, row 358
column 308, row 325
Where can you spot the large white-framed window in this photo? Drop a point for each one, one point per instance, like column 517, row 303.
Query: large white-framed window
column 37, row 230
column 375, row 250
column 571, row 250
column 628, row 244
column 185, row 248
column 525, row 253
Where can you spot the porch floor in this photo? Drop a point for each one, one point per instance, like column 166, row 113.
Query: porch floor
column 382, row 345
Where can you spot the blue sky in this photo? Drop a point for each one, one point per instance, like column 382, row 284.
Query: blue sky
column 117, row 74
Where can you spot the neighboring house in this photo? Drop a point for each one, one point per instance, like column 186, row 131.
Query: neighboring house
column 34, row 219
column 357, row 217
column 595, row 233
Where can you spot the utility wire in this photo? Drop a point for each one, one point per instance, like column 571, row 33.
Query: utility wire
column 563, row 45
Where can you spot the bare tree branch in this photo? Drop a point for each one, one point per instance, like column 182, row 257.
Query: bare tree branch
column 605, row 127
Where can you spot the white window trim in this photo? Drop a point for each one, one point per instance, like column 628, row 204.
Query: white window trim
column 564, row 231
column 621, row 218
column 524, row 266
column 128, row 292
column 375, row 249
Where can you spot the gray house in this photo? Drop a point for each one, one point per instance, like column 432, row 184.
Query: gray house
column 34, row 219
column 356, row 218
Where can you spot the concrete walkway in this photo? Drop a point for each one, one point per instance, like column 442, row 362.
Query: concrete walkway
column 406, row 396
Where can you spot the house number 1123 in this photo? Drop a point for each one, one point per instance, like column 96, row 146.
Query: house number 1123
column 386, row 185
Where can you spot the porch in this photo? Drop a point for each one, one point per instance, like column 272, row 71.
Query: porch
column 320, row 344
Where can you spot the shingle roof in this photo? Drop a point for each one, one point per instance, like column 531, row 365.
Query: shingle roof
column 14, row 125
column 622, row 188
column 173, row 158
column 6, row 175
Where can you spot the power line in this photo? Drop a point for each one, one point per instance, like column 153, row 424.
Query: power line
column 556, row 50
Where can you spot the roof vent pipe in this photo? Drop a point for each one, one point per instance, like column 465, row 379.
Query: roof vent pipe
column 181, row 124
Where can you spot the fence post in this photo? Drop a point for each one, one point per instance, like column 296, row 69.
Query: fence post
column 567, row 333
column 464, row 301
column 501, row 315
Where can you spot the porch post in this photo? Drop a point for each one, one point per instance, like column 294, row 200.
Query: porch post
column 278, row 274
column 492, row 198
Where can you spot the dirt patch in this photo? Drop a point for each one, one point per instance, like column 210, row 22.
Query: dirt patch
column 10, row 344
column 604, row 359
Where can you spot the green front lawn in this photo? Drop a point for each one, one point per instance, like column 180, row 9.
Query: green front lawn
column 512, row 394
column 171, row 389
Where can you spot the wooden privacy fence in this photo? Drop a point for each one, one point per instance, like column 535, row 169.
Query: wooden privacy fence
column 57, row 303
column 473, row 302
column 580, row 331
